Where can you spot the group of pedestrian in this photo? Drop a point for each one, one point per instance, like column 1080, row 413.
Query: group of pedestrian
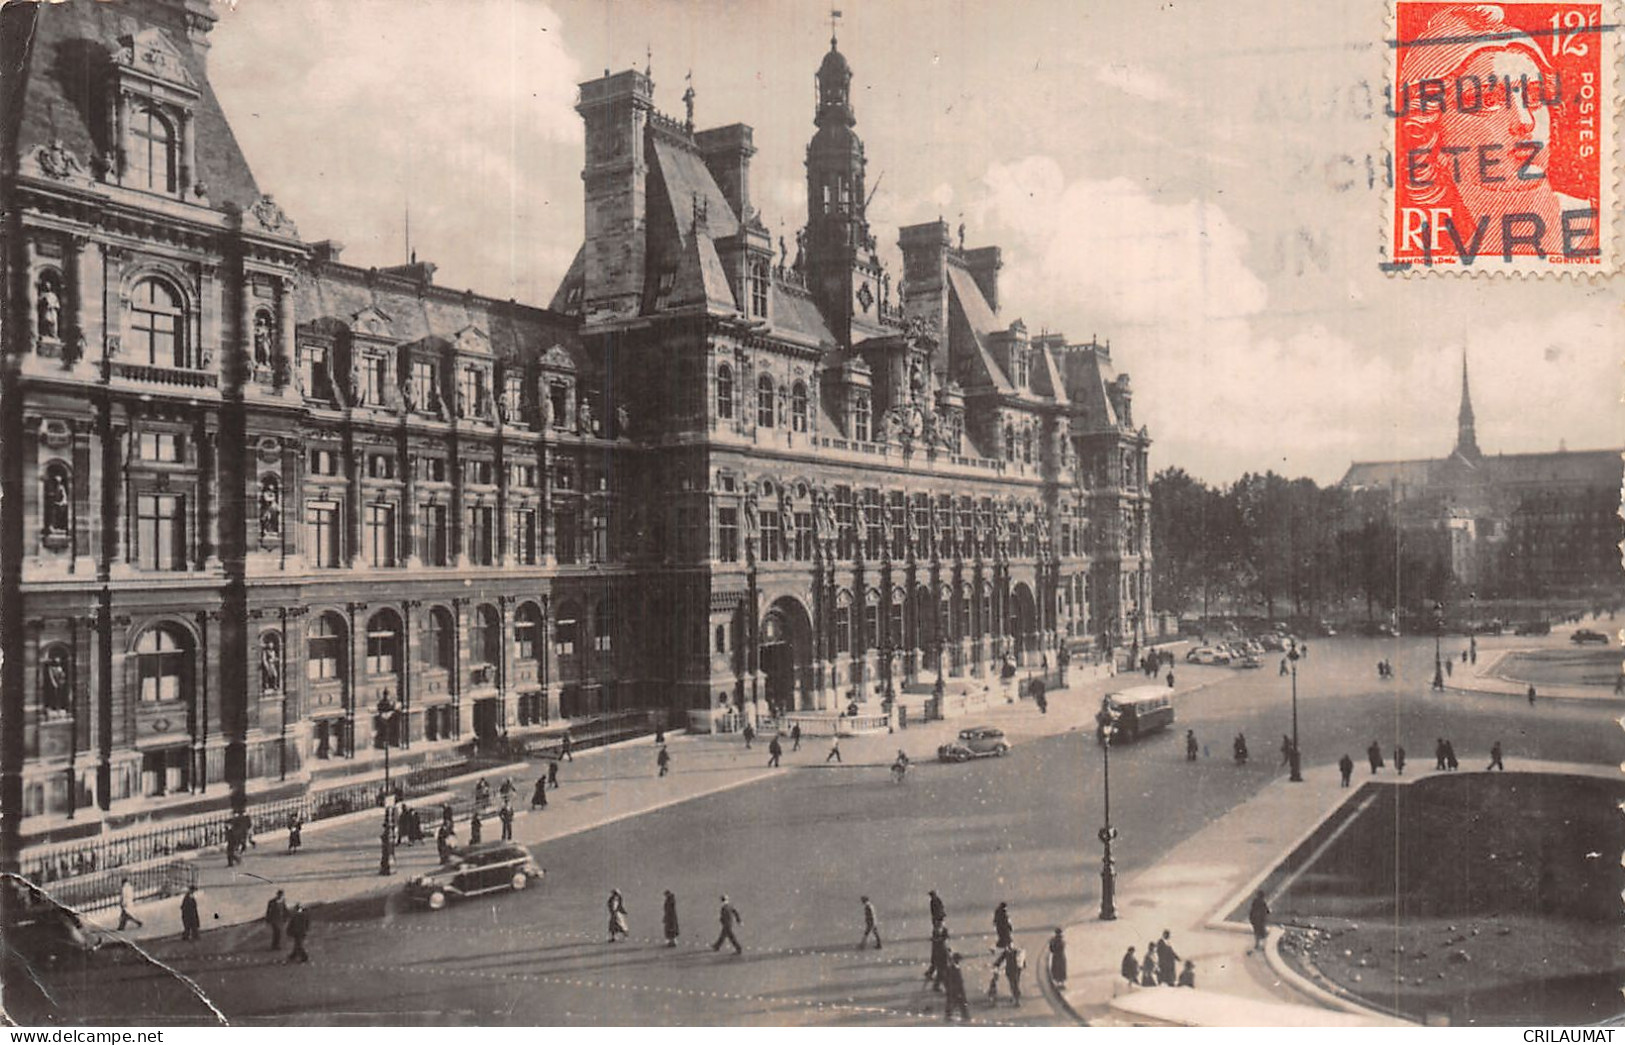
column 1385, row 669
column 1159, row 966
column 295, row 921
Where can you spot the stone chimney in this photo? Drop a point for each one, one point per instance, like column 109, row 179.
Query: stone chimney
column 984, row 264
column 727, row 152
column 616, row 110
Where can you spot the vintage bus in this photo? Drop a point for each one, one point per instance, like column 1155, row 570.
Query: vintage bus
column 1140, row 710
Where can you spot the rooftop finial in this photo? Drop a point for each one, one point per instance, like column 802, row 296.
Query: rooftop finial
column 834, row 17
column 648, row 60
column 688, row 98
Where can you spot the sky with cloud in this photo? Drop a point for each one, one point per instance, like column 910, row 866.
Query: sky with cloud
column 1199, row 182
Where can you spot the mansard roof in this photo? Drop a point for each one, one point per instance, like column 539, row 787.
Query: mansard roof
column 1573, row 467
column 970, row 306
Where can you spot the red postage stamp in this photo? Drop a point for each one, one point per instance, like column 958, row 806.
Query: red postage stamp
column 1502, row 121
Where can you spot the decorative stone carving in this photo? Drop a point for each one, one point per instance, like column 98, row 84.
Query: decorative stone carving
column 270, row 662
column 150, row 52
column 270, row 506
column 56, row 681
column 264, row 338
column 56, row 160
column 58, row 507
column 271, row 217
column 48, row 305
column 584, row 421
column 623, row 421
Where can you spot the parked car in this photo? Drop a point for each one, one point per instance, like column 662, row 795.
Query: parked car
column 1208, row 655
column 1534, row 627
column 1248, row 661
column 1584, row 635
column 1271, row 641
column 474, row 871
column 975, row 742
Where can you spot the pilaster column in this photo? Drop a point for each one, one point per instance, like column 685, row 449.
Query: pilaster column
column 282, row 368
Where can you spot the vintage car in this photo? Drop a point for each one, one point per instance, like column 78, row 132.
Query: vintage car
column 1584, row 635
column 1247, row 661
column 474, row 871
column 976, row 742
column 1208, row 655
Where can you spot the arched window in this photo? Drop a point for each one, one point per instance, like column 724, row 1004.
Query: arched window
column 764, row 402
column 383, row 643
column 150, row 153
column 798, row 407
column 860, row 417
column 155, row 328
column 163, row 664
column 527, row 631
column 324, row 648
column 725, row 392
column 485, row 636
column 439, row 638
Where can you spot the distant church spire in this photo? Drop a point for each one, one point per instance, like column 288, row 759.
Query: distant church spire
column 1466, row 438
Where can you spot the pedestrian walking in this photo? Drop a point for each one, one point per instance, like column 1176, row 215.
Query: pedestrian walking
column 1187, row 977
column 939, row 910
column 1259, row 915
column 567, row 747
column 445, row 840
column 834, row 749
column 957, row 1000
column 1345, row 766
column 505, row 814
column 1167, row 959
column 1373, row 754
column 1399, row 759
column 795, row 737
column 1450, row 756
column 1531, row 695
column 750, row 735
column 1190, row 745
column 774, row 750
column 1057, row 958
column 937, row 971
column 1001, row 924
column 1449, row 668
column 1014, row 960
column 993, row 975
column 1286, row 749
column 506, row 790
column 729, row 917
column 191, row 923
column 1148, row 966
column 276, row 916
column 482, row 793
column 1130, row 967
column 538, row 794
column 663, row 760
column 668, row 919
column 1464, row 656
column 126, row 900
column 1238, row 748
column 1438, row 754
column 448, row 816
column 296, row 827
column 1495, row 758
column 552, row 775
column 1170, row 680
column 1282, row 672
column 298, row 929
column 870, row 925
column 617, row 915
column 476, row 828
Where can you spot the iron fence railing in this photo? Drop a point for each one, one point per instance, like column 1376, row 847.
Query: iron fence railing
column 151, row 881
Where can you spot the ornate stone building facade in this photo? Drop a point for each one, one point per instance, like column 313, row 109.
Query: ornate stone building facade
column 250, row 490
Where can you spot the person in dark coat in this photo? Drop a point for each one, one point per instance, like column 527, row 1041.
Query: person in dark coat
column 553, row 775
column 937, row 972
column 482, row 793
column 870, row 925
column 1373, row 754
column 191, row 924
column 276, row 916
column 1259, row 915
column 1450, row 756
column 566, row 747
column 1057, row 958
column 795, row 737
column 1345, row 766
column 1286, row 749
column 1190, row 745
column 298, row 929
column 1531, row 695
column 1014, row 960
column 1238, row 748
column 296, row 828
column 750, row 735
column 1399, row 759
column 476, row 828
column 834, row 749
column 729, row 918
column 1187, row 977
column 1130, row 969
column 1495, row 758
column 1001, row 923
column 663, row 760
column 538, row 795
column 1167, row 959
column 1438, row 754
column 939, row 910
column 668, row 919
column 774, row 751
column 505, row 814
column 954, row 979
column 1148, row 967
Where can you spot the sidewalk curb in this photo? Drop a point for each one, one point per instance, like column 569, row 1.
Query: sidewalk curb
column 1053, row 995
column 1321, row 995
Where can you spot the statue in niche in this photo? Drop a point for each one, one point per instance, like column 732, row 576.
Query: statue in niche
column 911, row 529
column 262, row 339
column 48, row 306
column 55, row 682
column 916, row 379
column 824, row 519
column 409, row 396
column 58, row 505
column 1001, row 530
column 584, row 420
column 545, row 409
column 886, row 528
column 270, row 507
column 358, row 387
column 623, row 421
column 271, row 663
column 787, row 521
column 753, row 523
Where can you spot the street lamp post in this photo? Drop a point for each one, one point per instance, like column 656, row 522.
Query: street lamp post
column 1438, row 645
column 1108, row 868
column 1293, row 759
column 386, row 858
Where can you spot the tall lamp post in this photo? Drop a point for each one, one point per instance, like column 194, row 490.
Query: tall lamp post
column 1108, row 869
column 1438, row 645
column 386, row 711
column 1293, row 759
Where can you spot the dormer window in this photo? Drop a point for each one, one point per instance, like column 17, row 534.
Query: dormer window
column 758, row 288
column 150, row 152
column 152, row 97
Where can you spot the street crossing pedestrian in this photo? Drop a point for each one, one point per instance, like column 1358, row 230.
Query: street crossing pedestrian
column 795, row 737
column 1259, row 915
column 1014, row 960
column 1057, row 958
column 1130, row 968
column 1495, row 758
column 663, row 760
column 276, row 916
column 834, row 749
column 538, row 795
column 729, row 917
column 774, row 751
column 937, row 971
column 476, row 829
column 1450, row 761
column 1345, row 766
column 957, row 1000
column 298, row 929
column 871, row 927
column 552, row 775
column 1187, row 978
column 1286, row 749
column 1148, row 966
column 939, row 910
column 567, row 747
column 191, row 923
column 668, row 919
column 1399, row 759
column 750, row 735
column 616, row 906
column 505, row 814
column 1167, row 959
column 1438, row 754
column 126, row 900
column 296, row 826
column 1001, row 924
column 1373, row 754
column 1191, row 746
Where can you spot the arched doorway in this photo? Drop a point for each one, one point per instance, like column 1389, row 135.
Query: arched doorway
column 1023, row 619
column 785, row 655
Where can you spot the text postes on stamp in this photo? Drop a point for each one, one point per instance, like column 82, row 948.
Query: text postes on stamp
column 1502, row 123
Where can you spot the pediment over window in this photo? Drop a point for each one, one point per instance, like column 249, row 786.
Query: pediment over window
column 371, row 320
column 472, row 339
column 556, row 358
column 150, row 53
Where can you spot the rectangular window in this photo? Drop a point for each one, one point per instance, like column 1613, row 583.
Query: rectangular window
column 522, row 476
column 324, row 462
column 162, row 447
column 758, row 289
column 898, row 513
column 380, row 466
column 471, row 392
column 432, row 469
column 873, row 537
column 843, row 629
column 845, row 522
column 524, row 537
column 425, row 384
column 315, row 372
column 322, row 534
column 161, row 532
column 871, row 627
column 322, row 658
column 860, row 418
column 728, row 534
column 432, row 534
column 600, row 536
column 513, row 396
column 480, row 535
column 380, row 652
column 769, row 550
column 374, row 379
column 804, row 536
column 558, row 394
column 477, row 473
column 566, row 535
column 380, row 524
